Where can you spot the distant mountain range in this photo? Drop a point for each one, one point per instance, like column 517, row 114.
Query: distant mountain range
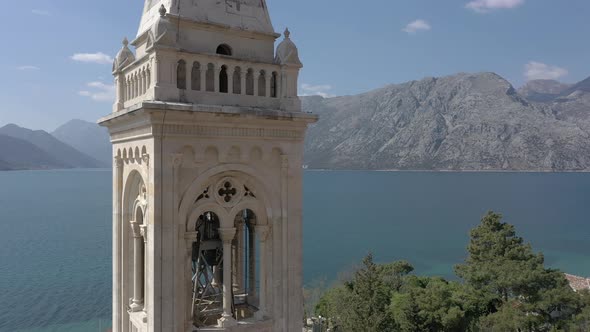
column 24, row 149
column 88, row 138
column 460, row 122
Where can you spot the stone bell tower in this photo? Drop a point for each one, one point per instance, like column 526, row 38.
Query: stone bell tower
column 207, row 134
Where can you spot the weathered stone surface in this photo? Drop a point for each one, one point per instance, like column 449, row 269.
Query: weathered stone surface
column 460, row 122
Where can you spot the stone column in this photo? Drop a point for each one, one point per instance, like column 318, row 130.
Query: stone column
column 240, row 254
column 278, row 85
column 120, row 92
column 227, row 320
column 117, row 252
column 256, row 77
column 189, row 77
column 267, row 81
column 243, row 75
column 189, row 238
column 284, row 93
column 251, row 263
column 203, row 69
column 230, row 80
column 216, row 72
column 137, row 301
column 156, row 69
column 144, row 236
column 262, row 232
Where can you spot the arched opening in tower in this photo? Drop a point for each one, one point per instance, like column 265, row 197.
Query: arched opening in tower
column 207, row 271
column 262, row 84
column 224, row 49
column 223, row 80
column 181, row 75
column 273, row 85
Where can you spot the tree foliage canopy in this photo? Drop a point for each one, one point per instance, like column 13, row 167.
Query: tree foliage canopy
column 505, row 287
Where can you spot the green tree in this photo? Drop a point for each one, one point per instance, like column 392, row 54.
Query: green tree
column 433, row 304
column 361, row 304
column 510, row 273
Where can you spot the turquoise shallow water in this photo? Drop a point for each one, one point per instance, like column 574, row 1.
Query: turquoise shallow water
column 55, row 263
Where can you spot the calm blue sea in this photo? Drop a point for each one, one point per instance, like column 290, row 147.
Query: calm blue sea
column 55, row 259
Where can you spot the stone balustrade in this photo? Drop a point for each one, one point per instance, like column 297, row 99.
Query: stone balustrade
column 202, row 79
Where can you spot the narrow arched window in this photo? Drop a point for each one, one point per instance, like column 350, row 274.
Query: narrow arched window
column 196, row 77
column 262, row 84
column 250, row 83
column 181, row 75
column 210, row 78
column 273, row 85
column 224, row 49
column 223, row 80
column 237, row 81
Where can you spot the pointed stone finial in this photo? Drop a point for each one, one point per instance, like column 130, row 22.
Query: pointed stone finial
column 162, row 11
column 287, row 33
column 125, row 42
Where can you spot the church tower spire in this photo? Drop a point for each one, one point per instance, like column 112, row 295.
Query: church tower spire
column 207, row 134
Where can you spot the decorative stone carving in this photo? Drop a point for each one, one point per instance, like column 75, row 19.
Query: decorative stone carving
column 204, row 195
column 118, row 162
column 248, row 193
column 124, row 58
column 135, row 229
column 287, row 53
column 177, row 160
column 228, row 192
column 263, row 231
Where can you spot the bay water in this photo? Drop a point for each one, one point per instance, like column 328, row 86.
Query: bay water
column 55, row 231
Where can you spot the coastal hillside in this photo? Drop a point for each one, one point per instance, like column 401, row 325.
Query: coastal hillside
column 18, row 154
column 460, row 122
column 86, row 137
column 43, row 151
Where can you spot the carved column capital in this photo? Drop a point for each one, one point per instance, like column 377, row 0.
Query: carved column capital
column 227, row 234
column 118, row 162
column 189, row 238
column 285, row 161
column 177, row 159
column 263, row 232
column 143, row 231
column 146, row 159
column 135, row 229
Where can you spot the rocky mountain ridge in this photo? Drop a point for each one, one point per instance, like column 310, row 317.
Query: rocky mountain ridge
column 460, row 122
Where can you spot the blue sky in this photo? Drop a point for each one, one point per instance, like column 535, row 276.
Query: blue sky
column 347, row 47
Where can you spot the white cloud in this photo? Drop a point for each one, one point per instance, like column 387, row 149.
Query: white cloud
column 539, row 71
column 99, row 58
column 28, row 68
column 316, row 90
column 484, row 6
column 40, row 12
column 416, row 26
column 99, row 91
